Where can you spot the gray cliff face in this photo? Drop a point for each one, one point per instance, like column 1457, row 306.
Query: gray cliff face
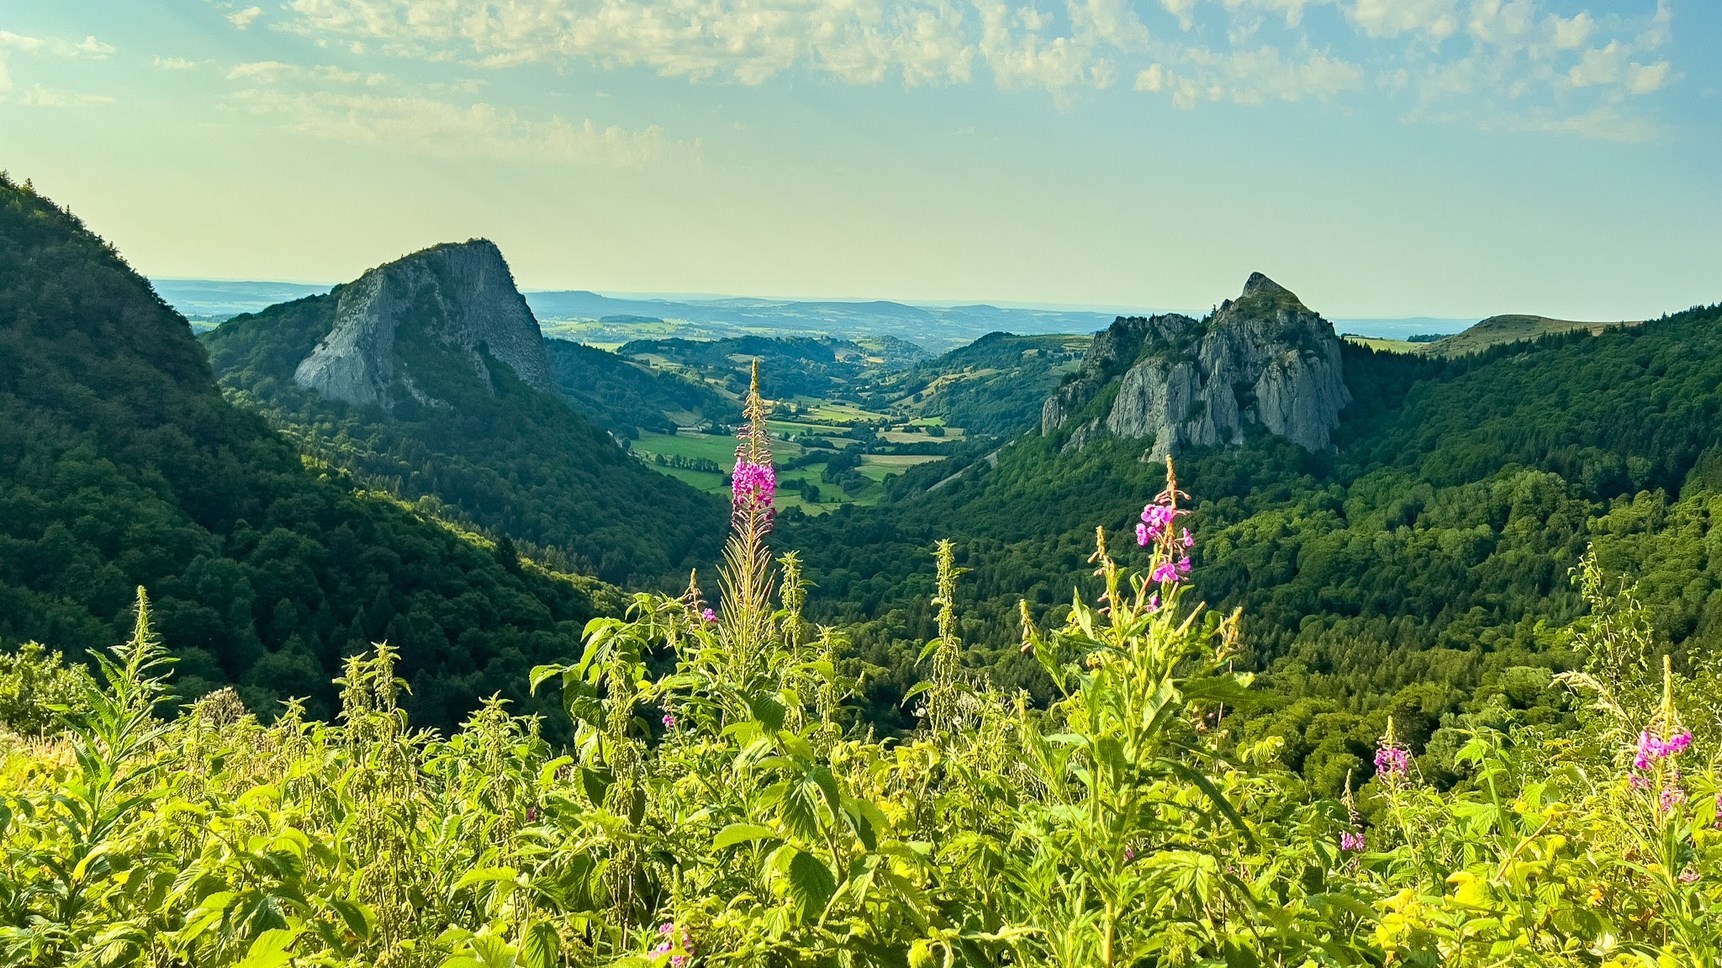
column 450, row 299
column 1263, row 358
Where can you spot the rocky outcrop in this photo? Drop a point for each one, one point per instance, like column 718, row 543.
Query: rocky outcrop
column 397, row 325
column 1263, row 358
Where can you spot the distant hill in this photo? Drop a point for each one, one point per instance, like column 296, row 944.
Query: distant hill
column 799, row 366
column 936, row 328
column 993, row 387
column 1512, row 328
column 625, row 397
column 207, row 302
column 428, row 376
column 121, row 464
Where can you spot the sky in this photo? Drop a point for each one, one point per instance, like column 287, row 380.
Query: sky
column 1453, row 158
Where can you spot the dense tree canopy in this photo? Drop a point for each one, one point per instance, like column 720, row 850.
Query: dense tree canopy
column 122, row 465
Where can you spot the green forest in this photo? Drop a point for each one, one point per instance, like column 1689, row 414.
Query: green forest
column 121, row 465
column 407, row 689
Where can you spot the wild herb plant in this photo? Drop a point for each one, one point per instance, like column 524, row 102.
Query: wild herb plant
column 717, row 807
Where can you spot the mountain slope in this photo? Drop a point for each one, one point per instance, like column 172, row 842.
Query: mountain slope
column 122, row 465
column 428, row 376
column 1408, row 570
column 625, row 397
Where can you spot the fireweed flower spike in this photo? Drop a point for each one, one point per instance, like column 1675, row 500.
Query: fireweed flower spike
column 746, row 573
column 1392, row 761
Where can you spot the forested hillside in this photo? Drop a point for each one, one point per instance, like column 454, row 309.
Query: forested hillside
column 1419, row 568
column 122, row 465
column 993, row 387
column 487, row 449
column 625, row 397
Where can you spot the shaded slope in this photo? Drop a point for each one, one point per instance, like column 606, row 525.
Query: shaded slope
column 122, row 465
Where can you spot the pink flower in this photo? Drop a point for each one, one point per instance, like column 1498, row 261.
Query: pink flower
column 672, row 939
column 1351, row 841
column 1688, row 876
column 1392, row 763
column 753, row 485
column 1155, row 519
column 708, row 616
column 669, row 720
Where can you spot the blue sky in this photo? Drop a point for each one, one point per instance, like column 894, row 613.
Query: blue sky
column 1379, row 157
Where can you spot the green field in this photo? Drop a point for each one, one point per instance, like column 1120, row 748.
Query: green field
column 721, row 449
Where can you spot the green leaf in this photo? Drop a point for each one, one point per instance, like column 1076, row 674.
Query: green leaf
column 270, row 949
column 541, row 947
column 485, row 875
column 742, row 833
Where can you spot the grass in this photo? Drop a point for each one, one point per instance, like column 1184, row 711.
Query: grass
column 1511, row 329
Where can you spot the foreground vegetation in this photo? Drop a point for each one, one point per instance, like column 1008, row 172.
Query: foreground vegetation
column 715, row 809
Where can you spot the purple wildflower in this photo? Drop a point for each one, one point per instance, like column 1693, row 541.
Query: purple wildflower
column 1171, row 571
column 669, row 720
column 708, row 616
column 1392, row 762
column 531, row 814
column 1653, row 747
column 1129, row 853
column 1155, row 520
column 672, row 939
column 1672, row 797
column 1688, row 876
column 1351, row 841
column 753, row 485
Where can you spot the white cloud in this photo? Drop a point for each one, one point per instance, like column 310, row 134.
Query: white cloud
column 53, row 97
column 59, row 47
column 1502, row 23
column 1436, row 19
column 269, row 72
column 1154, row 79
column 1183, row 11
column 1450, row 58
column 176, row 63
column 1647, row 78
column 455, row 130
column 1600, row 65
column 1571, row 32
column 244, row 18
column 1263, row 74
column 39, row 95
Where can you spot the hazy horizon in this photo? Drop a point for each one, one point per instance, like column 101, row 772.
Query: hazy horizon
column 1448, row 158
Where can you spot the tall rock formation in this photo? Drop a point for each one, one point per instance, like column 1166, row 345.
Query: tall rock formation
column 397, row 326
column 1263, row 358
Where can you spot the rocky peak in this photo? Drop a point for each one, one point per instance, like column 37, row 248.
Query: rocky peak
column 1263, row 358
column 1260, row 285
column 397, row 325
